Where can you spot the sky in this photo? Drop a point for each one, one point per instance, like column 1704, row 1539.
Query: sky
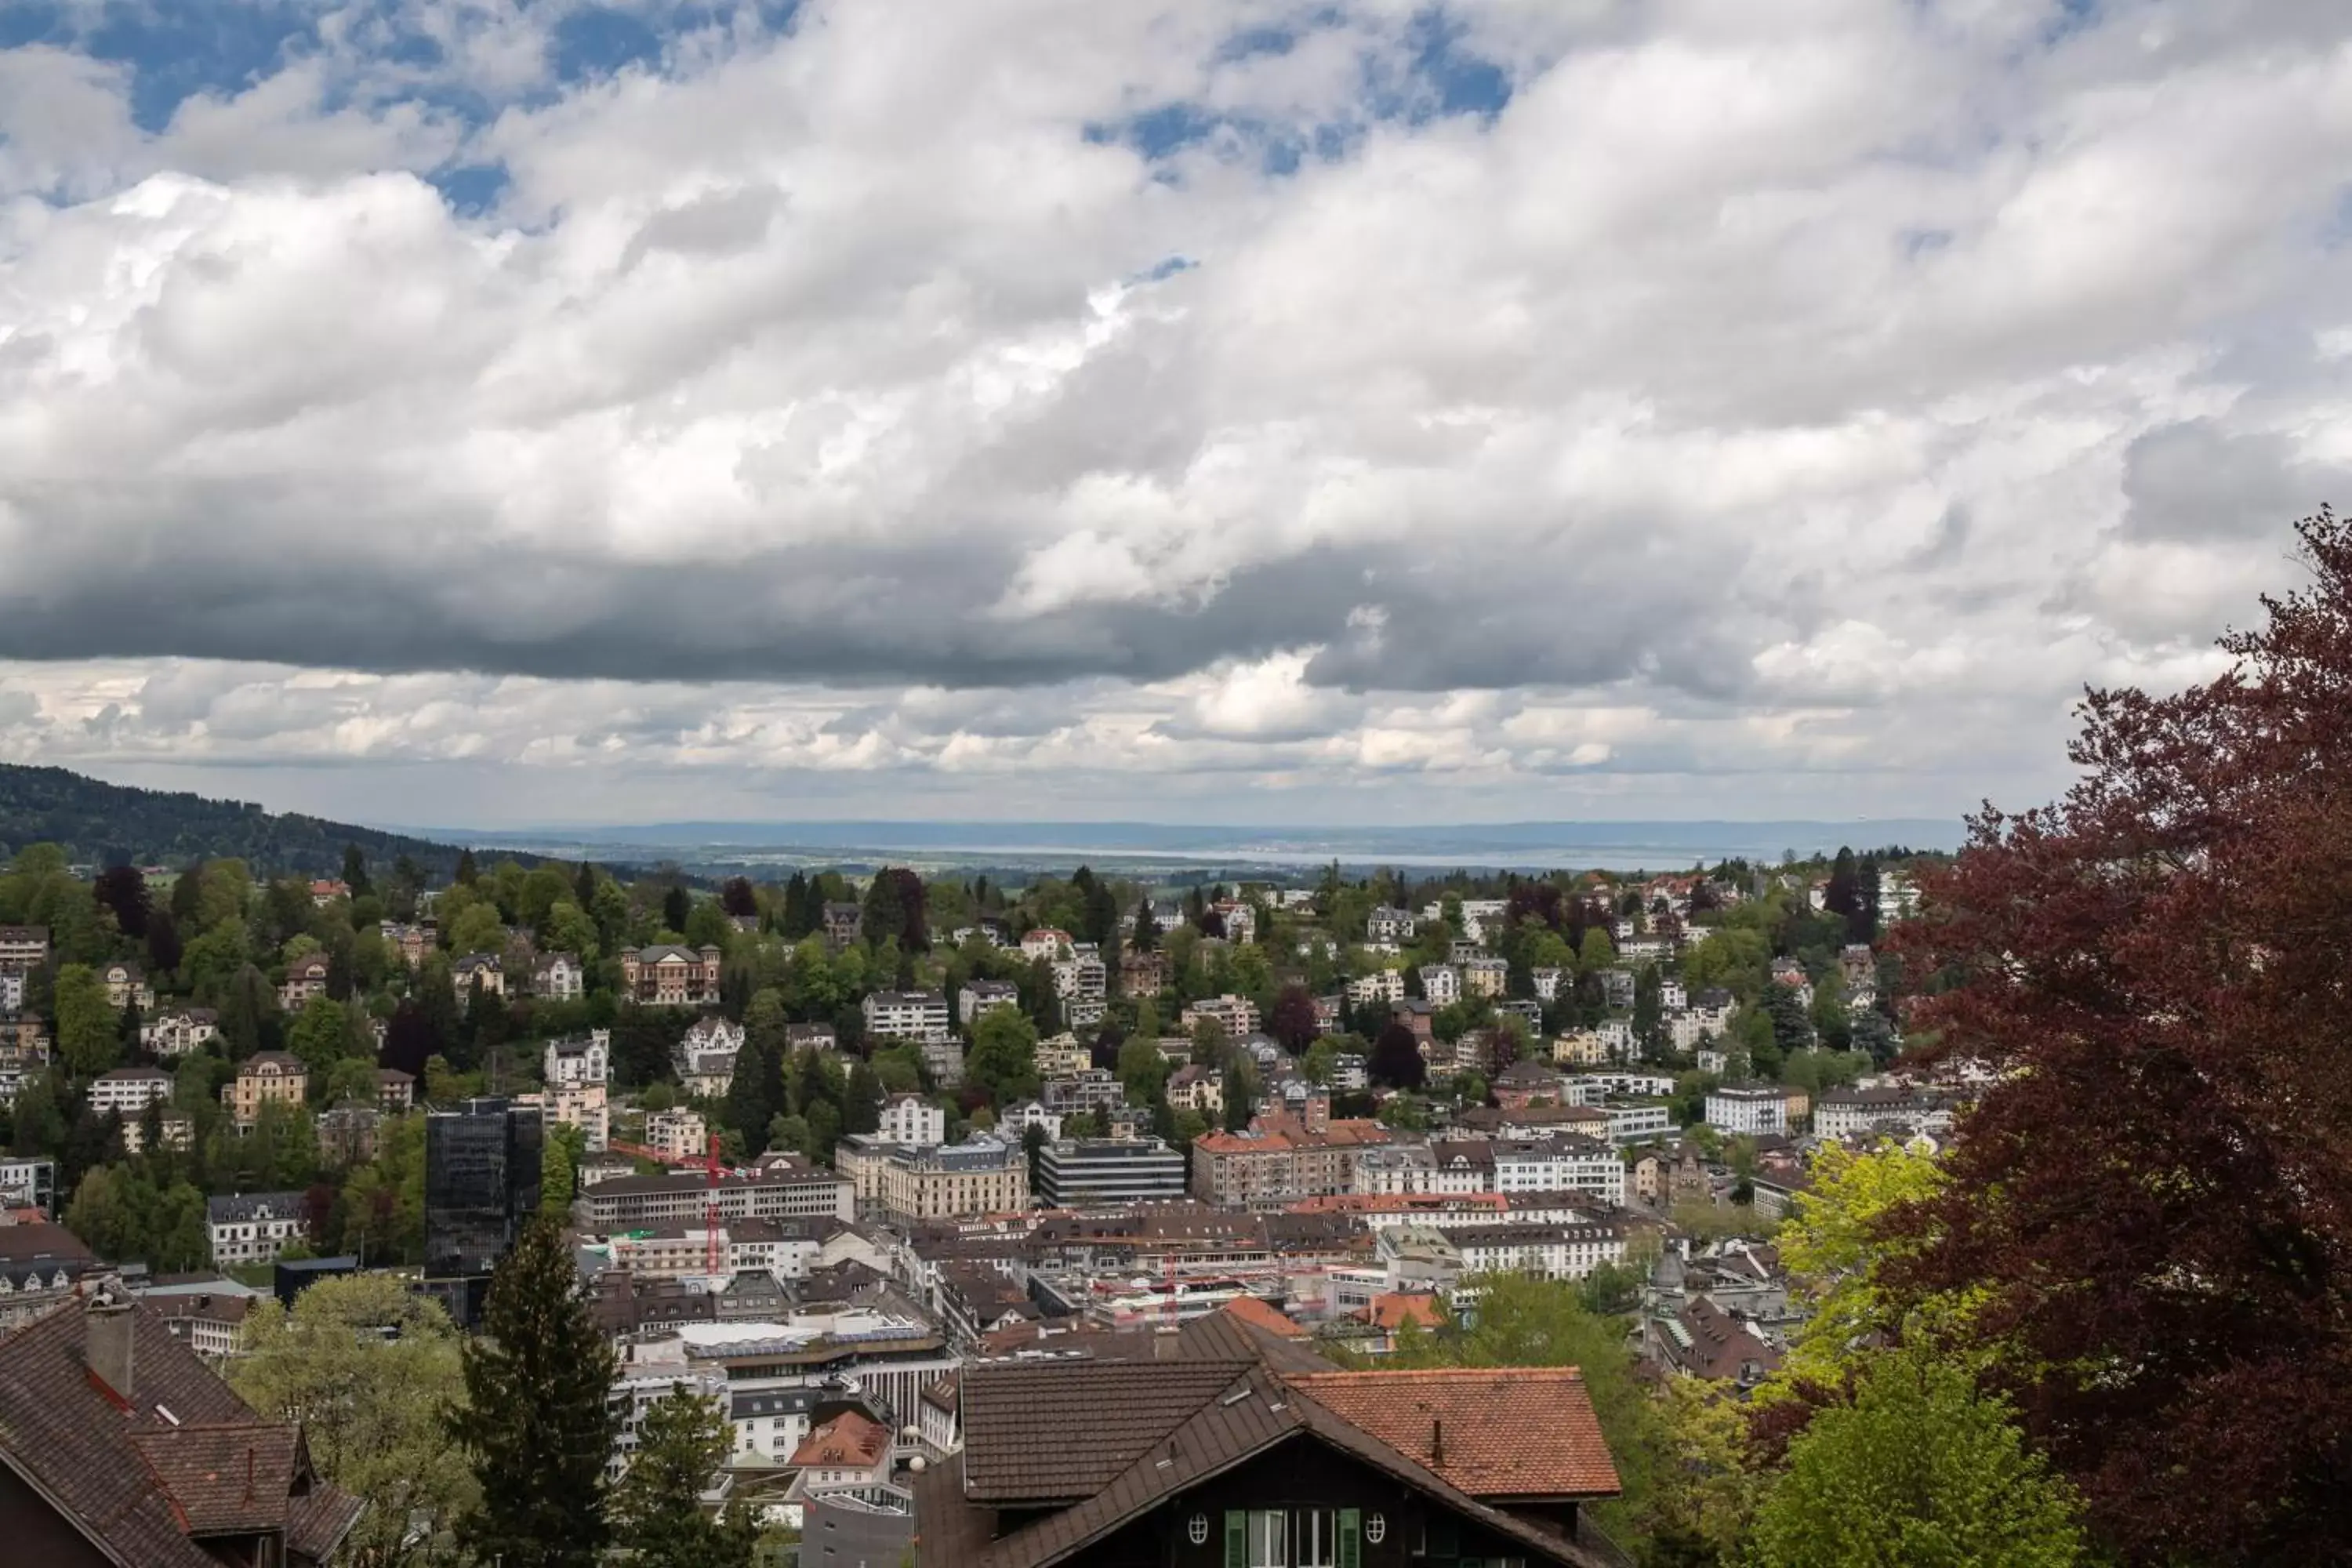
column 1226, row 411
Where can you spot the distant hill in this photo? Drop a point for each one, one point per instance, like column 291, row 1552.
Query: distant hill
column 110, row 824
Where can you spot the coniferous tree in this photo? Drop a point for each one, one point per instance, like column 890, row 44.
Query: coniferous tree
column 538, row 1423
column 355, row 871
column 677, row 904
column 657, row 1506
column 1147, row 925
column 465, row 871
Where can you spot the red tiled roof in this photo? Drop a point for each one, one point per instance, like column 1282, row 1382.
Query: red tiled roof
column 849, row 1440
column 1257, row 1314
column 1397, row 1309
column 1515, row 1432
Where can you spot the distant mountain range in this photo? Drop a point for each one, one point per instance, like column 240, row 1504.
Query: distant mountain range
column 104, row 823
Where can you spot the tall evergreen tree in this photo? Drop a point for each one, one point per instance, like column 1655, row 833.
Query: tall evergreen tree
column 465, row 871
column 583, row 886
column 355, row 871
column 677, row 904
column 539, row 1422
column 755, row 1093
column 658, row 1512
column 1147, row 925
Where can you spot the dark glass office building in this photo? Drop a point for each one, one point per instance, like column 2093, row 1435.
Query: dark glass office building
column 481, row 1181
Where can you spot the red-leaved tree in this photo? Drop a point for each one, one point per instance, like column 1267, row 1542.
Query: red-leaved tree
column 2159, row 1204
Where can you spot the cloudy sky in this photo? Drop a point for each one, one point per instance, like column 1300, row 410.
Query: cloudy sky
column 472, row 412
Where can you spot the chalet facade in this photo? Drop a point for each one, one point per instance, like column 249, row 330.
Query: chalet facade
column 1243, row 1451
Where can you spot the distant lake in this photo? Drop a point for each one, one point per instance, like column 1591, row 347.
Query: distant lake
column 1629, row 846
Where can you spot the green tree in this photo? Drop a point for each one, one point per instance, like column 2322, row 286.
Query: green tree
column 538, row 1423
column 372, row 1370
column 1921, row 1470
column 87, row 1032
column 1525, row 1321
column 656, row 1507
column 1837, row 1249
column 1003, row 1061
column 319, row 1034
column 559, row 1153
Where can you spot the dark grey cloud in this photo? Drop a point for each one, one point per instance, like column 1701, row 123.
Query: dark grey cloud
column 2199, row 481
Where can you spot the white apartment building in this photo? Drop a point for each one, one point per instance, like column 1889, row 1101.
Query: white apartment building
column 559, row 977
column 911, row 1119
column 1441, row 984
column 179, row 1031
column 1633, row 1122
column 1381, row 985
column 1750, row 1109
column 907, row 1015
column 127, row 1091
column 979, row 996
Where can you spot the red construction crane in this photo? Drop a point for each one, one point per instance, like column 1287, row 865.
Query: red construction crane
column 710, row 1210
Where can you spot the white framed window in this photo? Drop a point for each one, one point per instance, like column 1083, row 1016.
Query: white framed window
column 1268, row 1539
column 1315, row 1536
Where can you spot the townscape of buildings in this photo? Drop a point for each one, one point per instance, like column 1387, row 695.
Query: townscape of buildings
column 1190, row 1164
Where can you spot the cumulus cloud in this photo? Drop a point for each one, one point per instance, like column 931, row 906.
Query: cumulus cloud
column 1530, row 396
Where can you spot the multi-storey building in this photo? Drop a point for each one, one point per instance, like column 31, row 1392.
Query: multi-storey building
column 1381, row 986
column 1084, row 1173
column 484, row 970
column 1753, row 1110
column 178, row 1031
column 395, row 1091
column 705, row 1057
column 980, row 1176
column 1853, row 1112
column 127, row 1091
column 583, row 1105
column 305, row 977
column 1544, row 1251
column 911, row 1118
column 348, row 1134
column 126, row 986
column 265, row 1078
column 24, row 948
column 670, row 976
column 1485, row 977
column 1094, row 1089
column 41, row 1265
column 409, row 943
column 253, row 1228
column 578, row 1061
column 1270, row 1165
column 1083, row 982
column 677, row 1133
column 481, row 1182
column 1237, row 1016
column 779, row 1187
column 1389, row 924
column 906, row 1015
column 557, row 978
column 1441, row 984
column 979, row 996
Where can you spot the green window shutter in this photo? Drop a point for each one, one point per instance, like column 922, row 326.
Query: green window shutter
column 1236, row 1538
column 1351, row 1538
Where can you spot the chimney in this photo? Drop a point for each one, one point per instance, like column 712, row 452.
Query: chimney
column 107, row 1342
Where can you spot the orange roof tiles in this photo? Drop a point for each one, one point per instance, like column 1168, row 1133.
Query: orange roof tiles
column 849, row 1441
column 1252, row 1310
column 1516, row 1432
column 1397, row 1309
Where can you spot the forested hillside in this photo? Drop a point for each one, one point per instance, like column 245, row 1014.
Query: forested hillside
column 97, row 822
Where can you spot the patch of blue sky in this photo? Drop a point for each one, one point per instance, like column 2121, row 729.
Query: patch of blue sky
column 471, row 189
column 601, row 41
column 1436, row 74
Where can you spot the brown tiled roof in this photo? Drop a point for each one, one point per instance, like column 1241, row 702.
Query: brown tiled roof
column 1251, row 1412
column 1516, row 1432
column 138, row 1474
column 1050, row 1433
column 222, row 1476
